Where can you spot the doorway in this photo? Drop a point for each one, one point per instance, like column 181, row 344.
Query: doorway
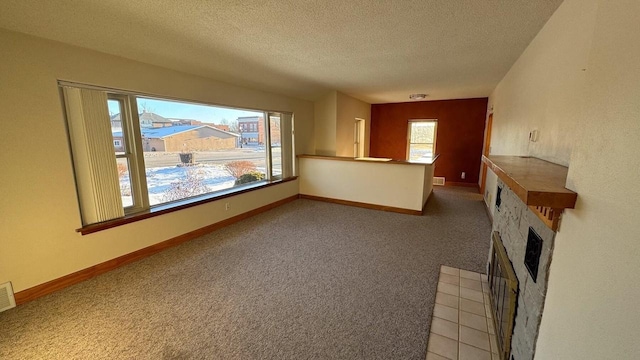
column 358, row 138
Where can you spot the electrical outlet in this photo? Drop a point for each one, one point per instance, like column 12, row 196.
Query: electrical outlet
column 463, row 175
column 227, row 206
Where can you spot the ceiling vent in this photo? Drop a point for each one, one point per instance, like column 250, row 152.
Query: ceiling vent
column 7, row 301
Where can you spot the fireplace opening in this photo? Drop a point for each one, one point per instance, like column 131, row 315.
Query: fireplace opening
column 532, row 253
column 503, row 294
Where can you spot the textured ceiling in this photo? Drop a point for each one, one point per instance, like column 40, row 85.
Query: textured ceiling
column 377, row 51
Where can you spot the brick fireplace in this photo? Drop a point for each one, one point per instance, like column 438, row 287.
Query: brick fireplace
column 530, row 198
column 513, row 221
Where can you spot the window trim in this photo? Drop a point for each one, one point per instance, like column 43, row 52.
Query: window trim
column 435, row 135
column 132, row 138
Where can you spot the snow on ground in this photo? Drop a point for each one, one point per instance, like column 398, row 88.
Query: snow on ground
column 159, row 180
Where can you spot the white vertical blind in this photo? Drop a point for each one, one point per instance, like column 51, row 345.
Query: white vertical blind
column 286, row 143
column 93, row 155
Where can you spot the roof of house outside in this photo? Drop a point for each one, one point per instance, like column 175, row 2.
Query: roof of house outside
column 153, row 117
column 182, row 119
column 158, row 133
column 166, row 131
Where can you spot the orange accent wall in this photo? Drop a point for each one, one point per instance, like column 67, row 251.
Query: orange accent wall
column 459, row 137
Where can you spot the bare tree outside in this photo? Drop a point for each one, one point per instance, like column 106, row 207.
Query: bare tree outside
column 145, row 107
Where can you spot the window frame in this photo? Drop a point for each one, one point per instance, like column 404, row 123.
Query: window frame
column 433, row 143
column 133, row 140
column 269, row 145
column 133, row 152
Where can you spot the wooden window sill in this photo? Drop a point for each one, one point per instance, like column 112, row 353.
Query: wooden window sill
column 179, row 205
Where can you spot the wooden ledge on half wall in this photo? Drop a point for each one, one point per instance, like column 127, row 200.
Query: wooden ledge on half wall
column 381, row 160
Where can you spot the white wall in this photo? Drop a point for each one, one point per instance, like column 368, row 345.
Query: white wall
column 39, row 210
column 592, row 307
column 361, row 181
column 335, row 116
column 544, row 91
column 589, row 120
column 544, row 88
column 348, row 110
column 427, row 188
column 325, row 110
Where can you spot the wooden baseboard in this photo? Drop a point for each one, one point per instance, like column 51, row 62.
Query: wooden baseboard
column 85, row 274
column 362, row 205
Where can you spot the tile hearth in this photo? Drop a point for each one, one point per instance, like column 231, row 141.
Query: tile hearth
column 462, row 325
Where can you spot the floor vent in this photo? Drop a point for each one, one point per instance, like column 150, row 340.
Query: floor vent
column 7, row 301
column 438, row 181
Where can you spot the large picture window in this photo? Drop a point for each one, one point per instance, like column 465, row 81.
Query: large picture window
column 163, row 152
column 421, row 140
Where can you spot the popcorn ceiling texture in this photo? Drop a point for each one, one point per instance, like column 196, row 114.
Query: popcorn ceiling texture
column 376, row 51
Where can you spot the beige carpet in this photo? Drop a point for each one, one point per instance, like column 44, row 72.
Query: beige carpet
column 307, row 280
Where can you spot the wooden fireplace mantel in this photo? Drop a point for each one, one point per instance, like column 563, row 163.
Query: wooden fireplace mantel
column 538, row 183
